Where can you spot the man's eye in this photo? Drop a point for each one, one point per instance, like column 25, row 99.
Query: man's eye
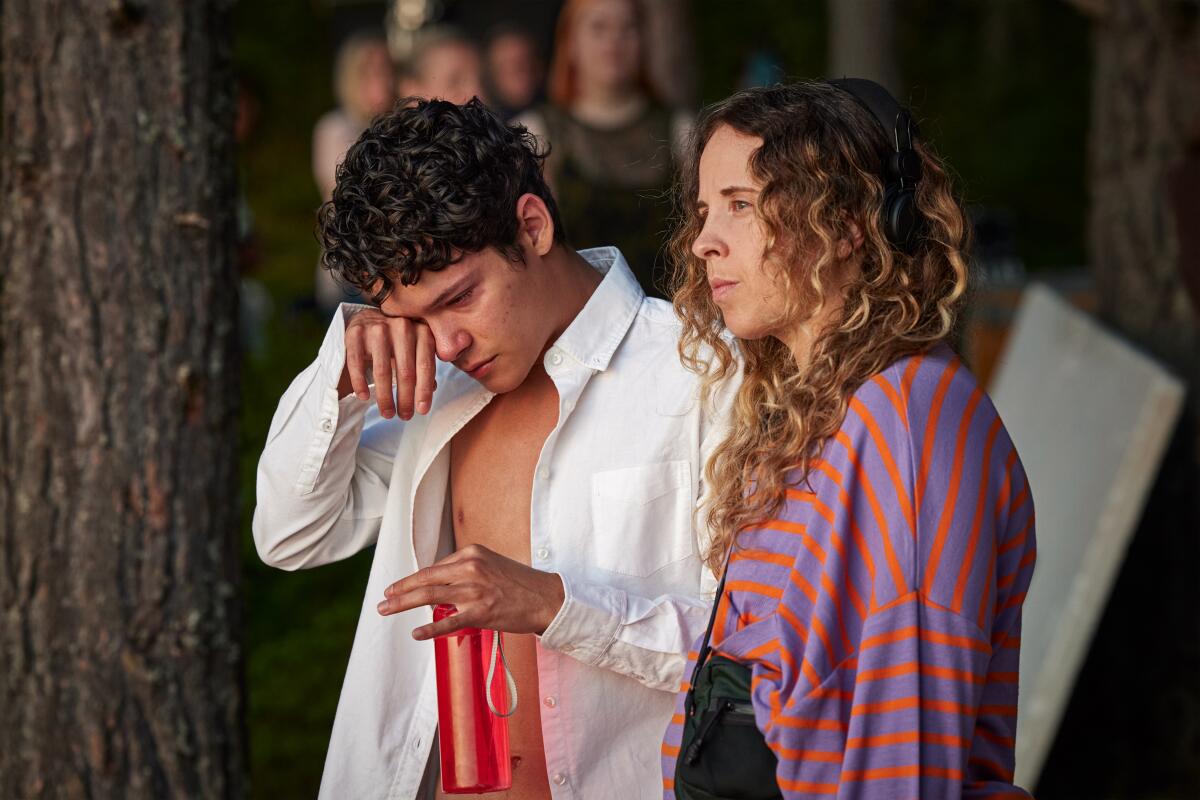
column 459, row 298
column 739, row 205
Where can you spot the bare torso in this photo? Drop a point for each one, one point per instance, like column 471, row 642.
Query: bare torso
column 492, row 461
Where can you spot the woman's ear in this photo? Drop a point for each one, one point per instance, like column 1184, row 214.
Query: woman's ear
column 850, row 243
column 534, row 224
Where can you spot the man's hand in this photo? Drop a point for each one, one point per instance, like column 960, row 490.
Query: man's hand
column 489, row 590
column 380, row 345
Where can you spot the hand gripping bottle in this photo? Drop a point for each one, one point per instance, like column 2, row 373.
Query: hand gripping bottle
column 473, row 709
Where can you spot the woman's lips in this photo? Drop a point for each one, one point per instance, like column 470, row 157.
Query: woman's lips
column 720, row 288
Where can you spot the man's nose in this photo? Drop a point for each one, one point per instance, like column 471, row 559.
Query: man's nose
column 451, row 344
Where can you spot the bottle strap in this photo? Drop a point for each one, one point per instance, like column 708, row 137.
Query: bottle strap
column 702, row 654
column 510, row 683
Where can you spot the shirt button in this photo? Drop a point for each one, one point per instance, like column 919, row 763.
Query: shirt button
column 544, row 473
column 543, row 553
column 555, row 357
column 327, row 425
column 559, row 778
column 550, row 702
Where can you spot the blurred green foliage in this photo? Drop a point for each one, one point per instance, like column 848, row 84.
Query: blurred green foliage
column 1000, row 88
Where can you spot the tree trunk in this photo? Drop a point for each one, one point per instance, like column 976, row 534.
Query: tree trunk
column 862, row 43
column 118, row 452
column 1145, row 109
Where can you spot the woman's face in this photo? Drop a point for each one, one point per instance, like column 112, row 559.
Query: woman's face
column 607, row 44
column 732, row 242
column 376, row 82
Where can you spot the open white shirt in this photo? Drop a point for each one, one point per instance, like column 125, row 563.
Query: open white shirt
column 613, row 512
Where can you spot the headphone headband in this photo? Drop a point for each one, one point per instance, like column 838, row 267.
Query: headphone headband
column 902, row 172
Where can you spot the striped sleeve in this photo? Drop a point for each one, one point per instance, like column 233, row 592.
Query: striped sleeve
column 916, row 697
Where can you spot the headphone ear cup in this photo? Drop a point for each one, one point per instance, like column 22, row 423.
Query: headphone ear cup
column 900, row 217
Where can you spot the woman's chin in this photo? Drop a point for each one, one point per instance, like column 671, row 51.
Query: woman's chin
column 747, row 329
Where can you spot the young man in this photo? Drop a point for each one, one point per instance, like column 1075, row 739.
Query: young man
column 542, row 477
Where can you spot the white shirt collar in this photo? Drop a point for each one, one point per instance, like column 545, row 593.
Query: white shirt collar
column 595, row 333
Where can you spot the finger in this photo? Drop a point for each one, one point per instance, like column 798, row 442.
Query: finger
column 442, row 573
column 381, row 366
column 441, row 627
column 404, row 342
column 426, row 369
column 356, row 364
column 454, row 594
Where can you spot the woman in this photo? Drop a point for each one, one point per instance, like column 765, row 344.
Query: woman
column 364, row 83
column 610, row 137
column 876, row 519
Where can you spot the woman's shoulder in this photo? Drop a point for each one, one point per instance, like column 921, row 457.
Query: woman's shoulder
column 935, row 377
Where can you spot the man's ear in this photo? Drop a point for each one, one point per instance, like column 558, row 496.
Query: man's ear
column 534, row 224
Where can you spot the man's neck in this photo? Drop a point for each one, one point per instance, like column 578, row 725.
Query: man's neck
column 575, row 280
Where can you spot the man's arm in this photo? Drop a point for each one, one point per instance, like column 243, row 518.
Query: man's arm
column 323, row 475
column 644, row 638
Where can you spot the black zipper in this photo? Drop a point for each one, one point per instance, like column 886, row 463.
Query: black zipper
column 737, row 712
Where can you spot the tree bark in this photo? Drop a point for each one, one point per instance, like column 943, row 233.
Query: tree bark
column 1145, row 109
column 118, row 396
column 862, row 43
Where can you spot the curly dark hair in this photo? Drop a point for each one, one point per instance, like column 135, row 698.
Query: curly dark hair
column 427, row 183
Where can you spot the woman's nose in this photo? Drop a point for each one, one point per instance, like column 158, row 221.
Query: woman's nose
column 708, row 245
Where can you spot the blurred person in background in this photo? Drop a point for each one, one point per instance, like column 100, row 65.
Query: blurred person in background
column 612, row 140
column 870, row 515
column 444, row 65
column 515, row 71
column 364, row 84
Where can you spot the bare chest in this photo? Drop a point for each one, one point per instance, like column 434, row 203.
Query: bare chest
column 492, row 463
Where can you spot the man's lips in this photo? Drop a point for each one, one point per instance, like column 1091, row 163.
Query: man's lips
column 477, row 369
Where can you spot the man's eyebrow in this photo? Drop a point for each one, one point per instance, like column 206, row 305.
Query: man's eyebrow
column 448, row 293
column 456, row 287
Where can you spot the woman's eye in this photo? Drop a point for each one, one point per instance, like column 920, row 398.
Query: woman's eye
column 738, row 205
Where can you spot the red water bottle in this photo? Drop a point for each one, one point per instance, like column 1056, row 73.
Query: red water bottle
column 473, row 709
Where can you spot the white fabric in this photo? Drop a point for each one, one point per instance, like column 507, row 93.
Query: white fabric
column 613, row 504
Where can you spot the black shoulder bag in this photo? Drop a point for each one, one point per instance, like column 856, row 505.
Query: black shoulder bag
column 723, row 755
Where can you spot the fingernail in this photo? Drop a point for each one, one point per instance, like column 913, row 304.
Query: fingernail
column 382, row 607
column 422, row 407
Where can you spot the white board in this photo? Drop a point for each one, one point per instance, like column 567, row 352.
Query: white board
column 1091, row 418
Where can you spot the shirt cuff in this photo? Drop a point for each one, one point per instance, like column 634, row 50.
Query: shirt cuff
column 586, row 625
column 332, row 356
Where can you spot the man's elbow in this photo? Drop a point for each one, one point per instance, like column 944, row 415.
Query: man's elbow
column 276, row 550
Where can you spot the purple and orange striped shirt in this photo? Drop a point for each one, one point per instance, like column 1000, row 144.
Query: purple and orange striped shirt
column 880, row 611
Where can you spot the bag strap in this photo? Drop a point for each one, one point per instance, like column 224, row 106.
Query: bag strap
column 702, row 654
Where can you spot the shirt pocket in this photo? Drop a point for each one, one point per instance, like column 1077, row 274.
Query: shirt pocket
column 642, row 517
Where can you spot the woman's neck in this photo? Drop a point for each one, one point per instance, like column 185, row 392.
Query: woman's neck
column 608, row 106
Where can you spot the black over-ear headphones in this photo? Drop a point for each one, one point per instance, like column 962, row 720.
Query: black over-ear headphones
column 902, row 221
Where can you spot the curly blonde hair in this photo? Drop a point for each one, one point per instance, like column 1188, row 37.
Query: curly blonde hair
column 820, row 166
